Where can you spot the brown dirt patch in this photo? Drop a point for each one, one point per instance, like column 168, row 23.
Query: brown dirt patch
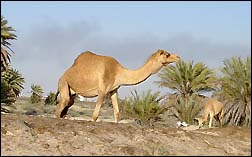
column 36, row 135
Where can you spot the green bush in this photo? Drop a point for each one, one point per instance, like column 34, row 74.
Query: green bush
column 11, row 85
column 144, row 109
column 7, row 95
column 35, row 98
column 36, row 93
column 185, row 109
column 50, row 98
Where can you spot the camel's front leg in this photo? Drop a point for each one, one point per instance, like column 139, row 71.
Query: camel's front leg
column 98, row 105
column 211, row 120
column 115, row 106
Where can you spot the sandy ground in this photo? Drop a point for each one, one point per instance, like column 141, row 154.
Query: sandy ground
column 36, row 135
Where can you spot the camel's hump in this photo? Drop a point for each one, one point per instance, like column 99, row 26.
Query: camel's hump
column 88, row 56
column 87, row 53
column 91, row 54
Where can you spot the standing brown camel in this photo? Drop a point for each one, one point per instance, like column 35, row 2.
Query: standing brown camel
column 94, row 75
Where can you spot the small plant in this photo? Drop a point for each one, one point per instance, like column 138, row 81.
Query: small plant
column 185, row 109
column 144, row 109
column 36, row 93
column 50, row 99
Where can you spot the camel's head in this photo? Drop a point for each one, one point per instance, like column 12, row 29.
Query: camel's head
column 165, row 57
column 161, row 58
column 201, row 121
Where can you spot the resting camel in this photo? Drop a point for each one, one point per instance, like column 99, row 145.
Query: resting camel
column 94, row 75
column 214, row 108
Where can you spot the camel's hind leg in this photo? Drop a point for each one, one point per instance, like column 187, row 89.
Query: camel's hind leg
column 115, row 106
column 221, row 117
column 64, row 98
column 71, row 102
column 98, row 105
column 217, row 118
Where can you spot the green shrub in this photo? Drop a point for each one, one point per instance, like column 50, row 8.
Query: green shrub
column 50, row 98
column 36, row 93
column 11, row 85
column 185, row 109
column 35, row 98
column 144, row 109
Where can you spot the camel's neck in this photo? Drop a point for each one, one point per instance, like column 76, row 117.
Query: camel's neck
column 133, row 77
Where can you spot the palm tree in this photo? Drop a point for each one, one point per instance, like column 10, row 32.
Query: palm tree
column 11, row 85
column 5, row 36
column 187, row 79
column 188, row 83
column 236, row 90
column 36, row 93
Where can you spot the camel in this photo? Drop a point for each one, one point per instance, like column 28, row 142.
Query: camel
column 214, row 108
column 94, row 75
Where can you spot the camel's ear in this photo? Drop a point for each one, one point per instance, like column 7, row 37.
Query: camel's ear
column 161, row 52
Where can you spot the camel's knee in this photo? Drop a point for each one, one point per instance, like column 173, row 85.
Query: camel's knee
column 61, row 106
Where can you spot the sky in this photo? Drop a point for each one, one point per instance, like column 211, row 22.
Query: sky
column 50, row 35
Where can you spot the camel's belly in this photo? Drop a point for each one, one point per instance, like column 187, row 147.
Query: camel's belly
column 89, row 93
column 85, row 92
column 86, row 87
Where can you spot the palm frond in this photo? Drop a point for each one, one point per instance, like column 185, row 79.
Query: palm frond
column 6, row 35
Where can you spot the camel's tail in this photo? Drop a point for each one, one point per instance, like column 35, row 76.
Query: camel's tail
column 56, row 95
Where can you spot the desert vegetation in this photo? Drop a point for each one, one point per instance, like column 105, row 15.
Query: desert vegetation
column 144, row 108
column 11, row 79
column 6, row 36
column 50, row 99
column 36, row 93
column 235, row 90
column 188, row 83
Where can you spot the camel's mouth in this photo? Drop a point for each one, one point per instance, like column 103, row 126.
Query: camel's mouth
column 164, row 64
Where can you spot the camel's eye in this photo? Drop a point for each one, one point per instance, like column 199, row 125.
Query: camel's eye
column 168, row 55
column 162, row 52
